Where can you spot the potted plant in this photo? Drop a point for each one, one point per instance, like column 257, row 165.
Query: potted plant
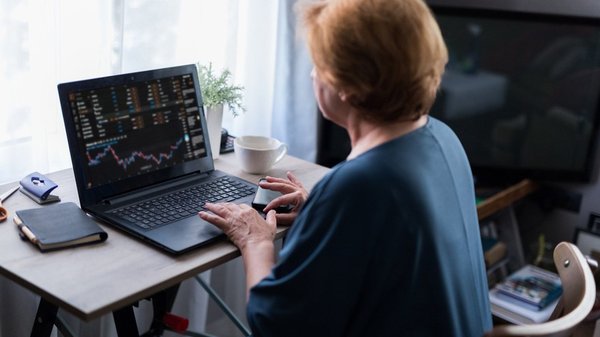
column 218, row 91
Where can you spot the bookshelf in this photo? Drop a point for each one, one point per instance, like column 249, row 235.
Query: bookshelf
column 503, row 199
column 499, row 266
column 497, row 219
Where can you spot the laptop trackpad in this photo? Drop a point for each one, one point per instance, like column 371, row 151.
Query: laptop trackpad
column 185, row 234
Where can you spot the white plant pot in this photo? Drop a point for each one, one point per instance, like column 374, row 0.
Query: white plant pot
column 214, row 121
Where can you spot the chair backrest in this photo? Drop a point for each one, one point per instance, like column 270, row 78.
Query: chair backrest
column 579, row 294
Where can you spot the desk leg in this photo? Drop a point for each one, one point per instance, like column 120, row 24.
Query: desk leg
column 162, row 303
column 213, row 294
column 125, row 322
column 44, row 319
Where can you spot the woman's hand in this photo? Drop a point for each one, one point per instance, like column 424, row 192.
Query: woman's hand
column 241, row 223
column 294, row 194
column 252, row 234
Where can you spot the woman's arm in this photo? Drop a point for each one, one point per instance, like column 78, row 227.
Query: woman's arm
column 259, row 258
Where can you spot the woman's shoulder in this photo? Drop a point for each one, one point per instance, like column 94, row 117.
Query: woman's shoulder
column 354, row 176
column 440, row 129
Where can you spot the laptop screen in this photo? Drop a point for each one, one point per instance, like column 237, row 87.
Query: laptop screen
column 125, row 127
column 135, row 128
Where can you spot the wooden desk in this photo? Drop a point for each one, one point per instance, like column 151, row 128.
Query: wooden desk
column 94, row 280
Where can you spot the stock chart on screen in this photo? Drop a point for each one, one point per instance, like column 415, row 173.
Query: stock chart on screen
column 138, row 128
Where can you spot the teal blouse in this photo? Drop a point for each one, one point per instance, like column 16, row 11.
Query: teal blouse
column 387, row 244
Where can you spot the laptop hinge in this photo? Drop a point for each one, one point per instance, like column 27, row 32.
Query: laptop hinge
column 141, row 193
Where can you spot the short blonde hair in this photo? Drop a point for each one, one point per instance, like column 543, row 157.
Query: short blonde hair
column 388, row 56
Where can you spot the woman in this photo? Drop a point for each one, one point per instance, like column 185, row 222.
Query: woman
column 387, row 244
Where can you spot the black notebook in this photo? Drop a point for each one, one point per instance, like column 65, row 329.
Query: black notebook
column 58, row 226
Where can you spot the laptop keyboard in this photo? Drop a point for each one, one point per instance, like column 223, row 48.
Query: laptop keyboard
column 183, row 203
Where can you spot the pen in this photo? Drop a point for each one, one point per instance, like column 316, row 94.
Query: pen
column 25, row 230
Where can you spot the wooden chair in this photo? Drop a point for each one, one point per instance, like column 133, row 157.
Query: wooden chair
column 579, row 294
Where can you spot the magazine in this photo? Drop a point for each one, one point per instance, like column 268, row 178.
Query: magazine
column 534, row 287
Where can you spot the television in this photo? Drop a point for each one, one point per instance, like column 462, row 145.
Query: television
column 522, row 90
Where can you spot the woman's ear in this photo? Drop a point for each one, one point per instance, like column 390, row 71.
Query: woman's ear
column 344, row 97
column 348, row 98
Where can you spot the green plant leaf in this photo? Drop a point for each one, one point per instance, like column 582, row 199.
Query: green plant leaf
column 217, row 89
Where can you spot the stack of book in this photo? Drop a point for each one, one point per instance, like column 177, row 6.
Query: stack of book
column 526, row 296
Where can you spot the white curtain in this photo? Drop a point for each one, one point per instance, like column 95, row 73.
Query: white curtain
column 294, row 105
column 46, row 42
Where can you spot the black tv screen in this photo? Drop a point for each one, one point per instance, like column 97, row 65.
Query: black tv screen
column 522, row 92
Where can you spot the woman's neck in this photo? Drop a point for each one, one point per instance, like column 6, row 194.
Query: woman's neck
column 365, row 135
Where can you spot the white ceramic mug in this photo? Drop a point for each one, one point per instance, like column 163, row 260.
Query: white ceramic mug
column 257, row 154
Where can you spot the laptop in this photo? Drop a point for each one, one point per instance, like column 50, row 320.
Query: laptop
column 141, row 155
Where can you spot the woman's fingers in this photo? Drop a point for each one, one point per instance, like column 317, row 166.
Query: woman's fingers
column 221, row 209
column 284, row 186
column 285, row 218
column 241, row 223
column 271, row 219
column 294, row 180
column 213, row 219
column 218, row 217
column 284, row 200
column 279, row 187
column 276, row 180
